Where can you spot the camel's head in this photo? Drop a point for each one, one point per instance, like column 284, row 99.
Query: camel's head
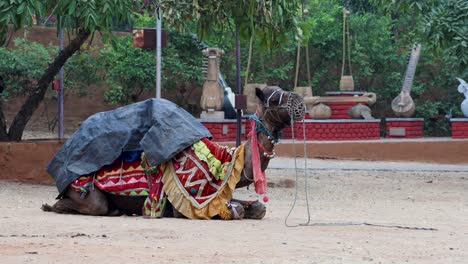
column 278, row 107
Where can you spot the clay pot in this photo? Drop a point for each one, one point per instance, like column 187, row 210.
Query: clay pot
column 360, row 111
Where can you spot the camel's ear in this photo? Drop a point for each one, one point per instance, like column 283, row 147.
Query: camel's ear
column 259, row 94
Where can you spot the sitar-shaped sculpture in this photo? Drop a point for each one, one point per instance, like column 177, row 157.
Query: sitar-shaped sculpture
column 403, row 104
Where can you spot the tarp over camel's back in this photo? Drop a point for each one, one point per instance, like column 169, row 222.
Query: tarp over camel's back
column 158, row 127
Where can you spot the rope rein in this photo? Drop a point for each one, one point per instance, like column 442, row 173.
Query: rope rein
column 308, row 223
column 296, row 177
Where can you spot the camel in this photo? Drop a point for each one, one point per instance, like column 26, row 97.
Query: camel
column 276, row 110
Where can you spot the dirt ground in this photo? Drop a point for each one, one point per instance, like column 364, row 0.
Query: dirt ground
column 436, row 200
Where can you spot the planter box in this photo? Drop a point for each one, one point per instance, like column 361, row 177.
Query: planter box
column 404, row 127
column 226, row 129
column 459, row 127
column 146, row 38
column 340, row 109
column 335, row 129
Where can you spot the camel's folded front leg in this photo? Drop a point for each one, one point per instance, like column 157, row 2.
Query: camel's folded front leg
column 253, row 209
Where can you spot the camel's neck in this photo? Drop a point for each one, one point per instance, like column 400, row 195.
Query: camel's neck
column 265, row 149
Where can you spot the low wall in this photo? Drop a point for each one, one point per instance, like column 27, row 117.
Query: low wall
column 459, row 127
column 404, row 127
column 335, row 129
column 226, row 129
column 26, row 161
column 433, row 150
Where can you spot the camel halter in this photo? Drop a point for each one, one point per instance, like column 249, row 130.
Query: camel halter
column 260, row 127
column 296, row 109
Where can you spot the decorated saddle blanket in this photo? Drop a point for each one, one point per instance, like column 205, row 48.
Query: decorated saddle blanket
column 197, row 181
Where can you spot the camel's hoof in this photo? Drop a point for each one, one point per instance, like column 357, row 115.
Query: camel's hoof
column 256, row 210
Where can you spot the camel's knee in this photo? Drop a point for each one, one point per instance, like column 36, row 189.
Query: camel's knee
column 253, row 209
column 237, row 211
column 232, row 211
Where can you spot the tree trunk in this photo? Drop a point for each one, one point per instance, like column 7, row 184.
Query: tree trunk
column 3, row 128
column 35, row 98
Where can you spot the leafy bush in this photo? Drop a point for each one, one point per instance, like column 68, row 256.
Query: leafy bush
column 128, row 71
column 445, row 27
column 21, row 66
column 81, row 71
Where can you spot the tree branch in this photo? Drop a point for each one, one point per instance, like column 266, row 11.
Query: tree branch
column 32, row 103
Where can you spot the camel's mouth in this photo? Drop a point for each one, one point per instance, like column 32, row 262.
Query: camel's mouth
column 295, row 106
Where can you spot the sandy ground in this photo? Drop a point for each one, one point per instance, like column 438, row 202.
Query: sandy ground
column 415, row 199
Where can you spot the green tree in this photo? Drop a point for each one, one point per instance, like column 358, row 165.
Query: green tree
column 130, row 72
column 445, row 27
column 82, row 18
column 22, row 65
column 442, row 25
column 269, row 20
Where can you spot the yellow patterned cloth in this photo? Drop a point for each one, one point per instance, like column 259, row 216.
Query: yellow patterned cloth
column 193, row 190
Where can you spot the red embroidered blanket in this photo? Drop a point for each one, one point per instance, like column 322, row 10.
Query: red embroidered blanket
column 198, row 181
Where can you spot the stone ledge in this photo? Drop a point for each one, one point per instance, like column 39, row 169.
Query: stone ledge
column 458, row 119
column 404, row 119
column 340, row 121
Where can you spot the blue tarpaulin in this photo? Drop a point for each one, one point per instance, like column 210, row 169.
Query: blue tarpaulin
column 158, row 127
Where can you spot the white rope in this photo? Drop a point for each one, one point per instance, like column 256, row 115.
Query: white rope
column 296, row 176
column 268, row 100
column 308, row 223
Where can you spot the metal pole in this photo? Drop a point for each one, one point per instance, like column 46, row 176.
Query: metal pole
column 238, row 83
column 158, row 53
column 60, row 95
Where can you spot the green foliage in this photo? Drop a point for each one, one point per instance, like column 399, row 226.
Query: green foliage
column 376, row 64
column 22, row 66
column 90, row 16
column 442, row 29
column 442, row 26
column 128, row 71
column 446, row 30
column 81, row 71
column 182, row 65
column 270, row 20
column 382, row 31
column 143, row 20
column 99, row 15
column 18, row 13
